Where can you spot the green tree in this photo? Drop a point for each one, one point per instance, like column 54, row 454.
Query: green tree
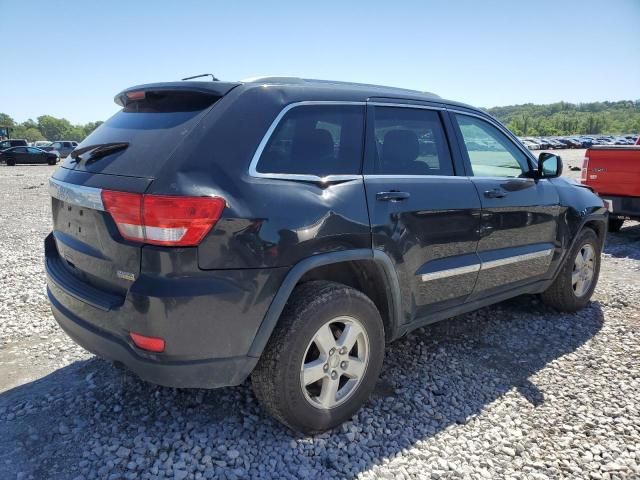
column 54, row 128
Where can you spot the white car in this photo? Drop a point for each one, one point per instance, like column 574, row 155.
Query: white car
column 530, row 145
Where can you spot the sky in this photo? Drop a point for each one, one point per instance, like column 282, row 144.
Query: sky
column 68, row 59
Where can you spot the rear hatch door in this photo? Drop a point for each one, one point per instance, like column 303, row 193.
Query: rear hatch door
column 124, row 154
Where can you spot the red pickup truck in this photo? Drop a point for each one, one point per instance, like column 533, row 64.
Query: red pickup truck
column 614, row 173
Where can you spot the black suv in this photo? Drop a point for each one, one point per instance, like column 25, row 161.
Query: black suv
column 287, row 229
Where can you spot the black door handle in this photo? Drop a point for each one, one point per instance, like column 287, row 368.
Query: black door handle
column 392, row 196
column 495, row 193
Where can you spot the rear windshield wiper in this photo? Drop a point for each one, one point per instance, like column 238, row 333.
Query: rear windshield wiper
column 97, row 151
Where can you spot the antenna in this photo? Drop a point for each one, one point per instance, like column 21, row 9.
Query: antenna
column 213, row 77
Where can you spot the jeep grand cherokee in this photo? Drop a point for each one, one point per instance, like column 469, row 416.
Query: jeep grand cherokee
column 286, row 229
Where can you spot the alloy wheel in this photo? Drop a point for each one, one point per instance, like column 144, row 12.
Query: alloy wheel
column 335, row 362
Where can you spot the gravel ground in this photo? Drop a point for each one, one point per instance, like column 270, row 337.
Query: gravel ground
column 516, row 390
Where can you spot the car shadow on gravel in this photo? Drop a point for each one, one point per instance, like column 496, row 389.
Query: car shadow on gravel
column 624, row 244
column 93, row 420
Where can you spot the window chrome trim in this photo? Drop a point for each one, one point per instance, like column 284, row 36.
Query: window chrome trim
column 451, row 272
column 80, row 195
column 504, row 130
column 408, row 177
column 253, row 166
column 407, row 105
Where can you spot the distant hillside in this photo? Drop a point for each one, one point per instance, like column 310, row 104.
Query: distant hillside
column 564, row 118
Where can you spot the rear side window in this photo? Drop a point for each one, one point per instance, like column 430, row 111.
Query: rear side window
column 409, row 141
column 316, row 140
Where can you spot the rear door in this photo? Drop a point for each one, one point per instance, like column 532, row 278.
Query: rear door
column 20, row 155
column 520, row 214
column 422, row 215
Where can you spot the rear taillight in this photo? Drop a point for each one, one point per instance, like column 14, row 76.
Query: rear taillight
column 585, row 168
column 162, row 219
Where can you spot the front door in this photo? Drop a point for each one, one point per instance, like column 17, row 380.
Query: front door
column 520, row 214
column 422, row 215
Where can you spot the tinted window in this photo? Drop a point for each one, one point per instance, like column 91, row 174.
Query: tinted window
column 316, row 140
column 409, row 141
column 19, row 150
column 491, row 152
column 33, row 150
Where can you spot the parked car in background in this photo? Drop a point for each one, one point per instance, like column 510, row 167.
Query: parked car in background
column 614, row 173
column 302, row 243
column 41, row 143
column 570, row 142
column 544, row 144
column 25, row 155
column 556, row 144
column 530, row 145
column 63, row 147
column 13, row 142
column 585, row 142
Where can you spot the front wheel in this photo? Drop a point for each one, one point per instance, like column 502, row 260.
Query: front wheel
column 323, row 358
column 576, row 281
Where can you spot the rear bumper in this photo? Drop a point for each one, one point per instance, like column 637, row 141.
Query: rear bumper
column 209, row 373
column 623, row 207
column 208, row 321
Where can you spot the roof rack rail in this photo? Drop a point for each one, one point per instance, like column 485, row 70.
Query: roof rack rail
column 298, row 80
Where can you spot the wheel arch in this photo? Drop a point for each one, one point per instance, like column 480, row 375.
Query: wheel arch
column 362, row 269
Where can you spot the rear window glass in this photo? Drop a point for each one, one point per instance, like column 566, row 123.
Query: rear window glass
column 153, row 128
column 170, row 101
column 316, row 140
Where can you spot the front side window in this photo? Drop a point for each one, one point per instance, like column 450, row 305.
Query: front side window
column 491, row 152
column 57, row 145
column 409, row 141
column 318, row 140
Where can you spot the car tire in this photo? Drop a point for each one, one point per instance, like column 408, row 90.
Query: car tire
column 615, row 224
column 302, row 348
column 51, row 161
column 578, row 277
column 11, row 163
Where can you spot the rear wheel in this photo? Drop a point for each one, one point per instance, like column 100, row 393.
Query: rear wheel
column 323, row 359
column 11, row 163
column 615, row 224
column 51, row 161
column 578, row 277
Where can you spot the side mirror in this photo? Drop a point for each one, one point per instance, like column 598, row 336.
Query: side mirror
column 549, row 165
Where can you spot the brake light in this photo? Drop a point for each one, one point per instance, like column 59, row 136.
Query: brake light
column 175, row 221
column 139, row 95
column 585, row 168
column 151, row 344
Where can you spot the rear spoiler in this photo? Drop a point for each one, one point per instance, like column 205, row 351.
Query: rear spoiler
column 217, row 89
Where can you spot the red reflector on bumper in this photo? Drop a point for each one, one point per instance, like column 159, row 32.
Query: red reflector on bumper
column 151, row 344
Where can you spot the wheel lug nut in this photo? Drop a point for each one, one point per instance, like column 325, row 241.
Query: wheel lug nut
column 343, row 365
column 326, row 367
column 343, row 350
column 334, row 375
column 332, row 351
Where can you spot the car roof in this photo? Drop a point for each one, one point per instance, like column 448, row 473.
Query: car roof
column 355, row 91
